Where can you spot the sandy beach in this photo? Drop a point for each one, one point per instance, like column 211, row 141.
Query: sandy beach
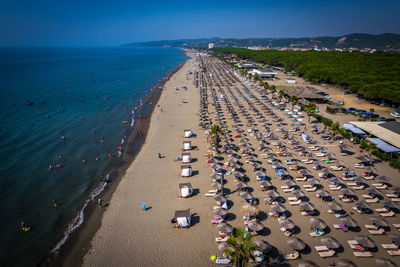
column 129, row 236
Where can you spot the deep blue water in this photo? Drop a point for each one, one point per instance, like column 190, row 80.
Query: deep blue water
column 97, row 89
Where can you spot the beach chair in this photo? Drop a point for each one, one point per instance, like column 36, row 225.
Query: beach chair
column 221, row 239
column 381, row 210
column 371, row 227
column 390, row 246
column 377, row 232
column 393, row 252
column 365, row 254
column 210, row 194
column 353, row 243
column 312, row 189
column 301, row 179
column 391, row 195
column 388, row 214
column 295, row 203
column 327, row 254
column 321, row 248
column 396, row 225
column 292, row 198
column 374, row 200
column 288, row 190
column 367, row 196
column 351, row 184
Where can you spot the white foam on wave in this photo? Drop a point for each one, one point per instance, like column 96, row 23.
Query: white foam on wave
column 78, row 220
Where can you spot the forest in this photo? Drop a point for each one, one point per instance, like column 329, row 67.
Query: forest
column 373, row 75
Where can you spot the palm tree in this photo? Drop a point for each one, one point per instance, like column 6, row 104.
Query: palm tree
column 240, row 247
column 281, row 93
column 335, row 128
column 215, row 133
column 272, row 88
column 371, row 148
column 310, row 109
column 294, row 100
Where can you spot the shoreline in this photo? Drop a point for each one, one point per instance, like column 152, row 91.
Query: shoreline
column 77, row 244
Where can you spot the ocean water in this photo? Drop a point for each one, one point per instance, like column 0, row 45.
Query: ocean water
column 82, row 94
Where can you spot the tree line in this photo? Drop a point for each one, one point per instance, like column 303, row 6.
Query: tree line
column 375, row 75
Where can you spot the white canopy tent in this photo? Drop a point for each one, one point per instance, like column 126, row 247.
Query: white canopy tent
column 353, row 128
column 382, row 145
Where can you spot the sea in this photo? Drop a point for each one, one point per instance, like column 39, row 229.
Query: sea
column 90, row 96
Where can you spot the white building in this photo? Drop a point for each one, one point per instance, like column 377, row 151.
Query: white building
column 290, row 80
column 210, row 45
column 263, row 74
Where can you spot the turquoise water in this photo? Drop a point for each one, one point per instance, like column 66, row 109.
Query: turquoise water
column 80, row 93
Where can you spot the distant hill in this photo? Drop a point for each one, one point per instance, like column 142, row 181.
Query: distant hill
column 358, row 40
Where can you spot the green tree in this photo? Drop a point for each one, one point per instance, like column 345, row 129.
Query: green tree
column 281, row 94
column 255, row 77
column 335, row 128
column 215, row 133
column 371, row 148
column 310, row 109
column 240, row 247
column 272, row 88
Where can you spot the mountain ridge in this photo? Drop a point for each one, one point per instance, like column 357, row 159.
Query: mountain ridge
column 356, row 40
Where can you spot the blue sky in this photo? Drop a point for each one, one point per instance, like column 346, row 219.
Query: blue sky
column 115, row 22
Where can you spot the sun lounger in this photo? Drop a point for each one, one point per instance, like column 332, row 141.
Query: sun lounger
column 221, row 239
column 321, row 248
column 381, row 210
column 353, row 243
column 371, row 227
column 307, row 186
column 209, row 194
column 291, row 256
column 295, row 203
column 390, row 246
column 395, row 199
column 334, row 188
column 377, row 232
column 391, row 195
column 383, row 187
column 393, row 252
column 356, row 209
column 365, row 254
column 327, row 254
column 360, row 187
column 222, row 261
column 368, row 177
column 374, row 200
column 396, row 225
column 292, row 198
column 288, row 190
column 367, row 196
column 284, row 187
column 313, row 189
column 336, row 168
column 388, row 214
column 301, row 179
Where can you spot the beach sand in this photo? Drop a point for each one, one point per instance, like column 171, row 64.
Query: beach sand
column 131, row 237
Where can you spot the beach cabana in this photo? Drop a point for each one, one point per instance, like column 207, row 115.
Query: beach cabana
column 186, row 170
column 187, row 145
column 182, row 218
column 188, row 133
column 186, row 189
column 186, row 157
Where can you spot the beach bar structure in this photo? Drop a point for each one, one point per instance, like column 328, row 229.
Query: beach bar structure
column 264, row 74
column 188, row 133
column 185, row 189
column 187, row 145
column 186, row 170
column 305, row 93
column 182, row 218
column 186, row 157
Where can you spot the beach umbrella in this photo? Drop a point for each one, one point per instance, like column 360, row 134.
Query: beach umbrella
column 272, row 193
column 361, row 204
column 345, row 263
column 263, row 245
column 220, row 212
column 395, row 239
column 344, row 146
column 307, row 206
column 219, row 198
column 215, row 176
column 250, row 210
column 238, row 174
column 265, row 184
column 245, row 195
column 241, row 185
column 347, row 191
column 377, row 221
column 307, row 263
column 330, row 242
column 336, row 181
column 297, row 193
column 256, row 226
column 365, row 241
column 260, row 173
column 313, row 182
column 387, row 203
column 243, row 140
column 383, row 262
column 232, row 160
column 296, row 243
column 333, row 205
column 323, row 193
column 224, row 227
column 369, row 169
column 223, row 246
column 289, row 183
column 396, row 190
column 284, row 172
column 363, row 158
column 304, row 171
column 373, row 192
column 216, row 186
column 348, row 222
column 317, row 223
column 214, row 166
column 383, row 178
column 287, row 224
column 235, row 166
column 278, row 208
column 211, row 160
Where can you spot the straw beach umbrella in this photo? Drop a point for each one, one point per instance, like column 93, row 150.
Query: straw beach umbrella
column 263, row 245
column 278, row 208
column 317, row 223
column 224, row 227
column 365, row 241
column 223, row 246
column 330, row 242
column 216, row 186
column 333, row 205
column 272, row 193
column 307, row 263
column 287, row 224
column 307, row 206
column 219, row 198
column 379, row 222
column 348, row 222
column 256, row 226
column 383, row 262
column 241, row 185
column 296, row 243
column 297, row 193
column 251, row 210
column 345, row 263
column 395, row 239
column 220, row 212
